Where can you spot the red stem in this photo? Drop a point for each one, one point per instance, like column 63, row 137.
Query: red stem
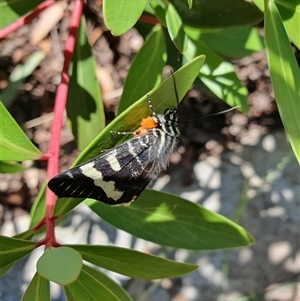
column 25, row 19
column 148, row 19
column 59, row 107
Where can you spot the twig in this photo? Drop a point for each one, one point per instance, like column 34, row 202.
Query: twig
column 25, row 19
column 59, row 108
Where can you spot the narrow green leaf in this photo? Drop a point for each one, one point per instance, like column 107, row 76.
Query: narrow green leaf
column 235, row 42
column 133, row 263
column 61, row 265
column 155, row 215
column 38, row 208
column 175, row 28
column 290, row 14
column 190, row 3
column 259, row 4
column 219, row 76
column 162, row 97
column 108, row 283
column 218, row 13
column 146, row 69
column 11, row 167
column 285, row 75
column 84, row 105
column 120, row 16
column 12, row 249
column 37, row 290
column 159, row 11
column 87, row 287
column 18, row 76
column 15, row 146
column 12, row 10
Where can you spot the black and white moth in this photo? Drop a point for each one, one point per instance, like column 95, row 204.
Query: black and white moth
column 120, row 174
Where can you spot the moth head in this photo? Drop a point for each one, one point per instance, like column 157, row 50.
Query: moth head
column 168, row 122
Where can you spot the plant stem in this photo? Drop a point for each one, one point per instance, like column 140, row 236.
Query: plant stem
column 25, row 19
column 148, row 19
column 59, row 107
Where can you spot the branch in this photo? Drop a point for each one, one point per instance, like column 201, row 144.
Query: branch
column 25, row 19
column 59, row 108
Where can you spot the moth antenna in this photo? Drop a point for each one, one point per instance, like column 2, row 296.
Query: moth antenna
column 175, row 89
column 210, row 115
column 150, row 105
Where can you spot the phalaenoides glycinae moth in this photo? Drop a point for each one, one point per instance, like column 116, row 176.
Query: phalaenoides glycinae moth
column 120, row 174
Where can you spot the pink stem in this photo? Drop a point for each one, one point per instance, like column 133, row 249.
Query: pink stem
column 25, row 19
column 59, row 107
column 148, row 19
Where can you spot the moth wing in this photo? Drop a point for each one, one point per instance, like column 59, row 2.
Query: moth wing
column 116, row 177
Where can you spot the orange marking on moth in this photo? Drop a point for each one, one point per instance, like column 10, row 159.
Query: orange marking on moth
column 146, row 123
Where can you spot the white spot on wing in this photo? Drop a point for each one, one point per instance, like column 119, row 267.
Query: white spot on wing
column 113, row 162
column 109, row 189
column 89, row 171
column 107, row 186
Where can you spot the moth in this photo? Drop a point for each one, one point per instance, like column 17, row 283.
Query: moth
column 120, row 174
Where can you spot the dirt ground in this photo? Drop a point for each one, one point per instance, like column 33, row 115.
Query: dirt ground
column 238, row 165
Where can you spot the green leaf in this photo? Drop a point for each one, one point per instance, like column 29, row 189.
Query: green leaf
column 11, row 167
column 87, row 287
column 159, row 12
column 84, row 105
column 12, row 249
column 146, row 69
column 162, row 97
column 259, row 4
column 12, row 10
column 219, row 76
column 218, row 13
column 37, row 290
column 175, row 59
column 27, row 235
column 133, row 263
column 15, row 146
column 285, row 75
column 290, row 14
column 108, row 283
column 38, row 209
column 175, row 28
column 18, row 76
column 120, row 16
column 61, row 265
column 5, row 269
column 236, row 42
column 155, row 215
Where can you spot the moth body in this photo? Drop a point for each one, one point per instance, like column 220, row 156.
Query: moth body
column 120, row 174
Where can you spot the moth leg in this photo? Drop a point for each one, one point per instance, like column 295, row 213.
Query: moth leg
column 121, row 133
